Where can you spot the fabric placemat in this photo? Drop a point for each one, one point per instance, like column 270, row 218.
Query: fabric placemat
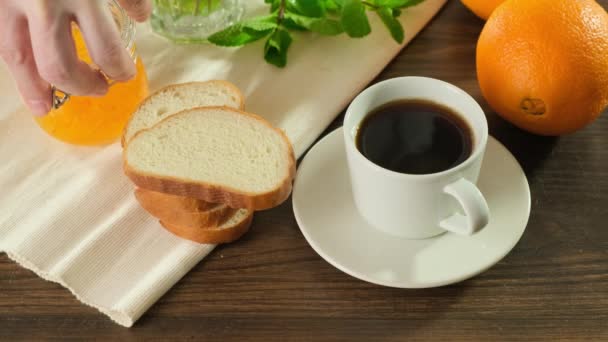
column 68, row 213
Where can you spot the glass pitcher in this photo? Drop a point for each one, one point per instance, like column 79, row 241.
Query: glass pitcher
column 192, row 21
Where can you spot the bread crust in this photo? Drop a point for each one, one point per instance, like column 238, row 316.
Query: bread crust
column 183, row 211
column 214, row 193
column 212, row 235
column 234, row 88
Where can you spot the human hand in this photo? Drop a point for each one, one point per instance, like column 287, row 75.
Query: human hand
column 36, row 44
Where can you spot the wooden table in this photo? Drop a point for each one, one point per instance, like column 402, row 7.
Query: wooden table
column 271, row 284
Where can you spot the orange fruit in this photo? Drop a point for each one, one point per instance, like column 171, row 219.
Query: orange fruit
column 482, row 8
column 543, row 64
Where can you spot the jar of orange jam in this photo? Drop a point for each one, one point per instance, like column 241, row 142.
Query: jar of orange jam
column 82, row 120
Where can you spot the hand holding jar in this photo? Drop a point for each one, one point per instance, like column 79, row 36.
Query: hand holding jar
column 80, row 48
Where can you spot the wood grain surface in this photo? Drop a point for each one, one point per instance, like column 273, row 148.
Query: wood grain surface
column 272, row 286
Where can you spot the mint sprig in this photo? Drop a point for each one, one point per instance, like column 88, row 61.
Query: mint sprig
column 324, row 17
column 392, row 23
column 354, row 19
column 245, row 32
column 275, row 49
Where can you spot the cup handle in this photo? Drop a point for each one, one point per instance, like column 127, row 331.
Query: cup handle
column 477, row 213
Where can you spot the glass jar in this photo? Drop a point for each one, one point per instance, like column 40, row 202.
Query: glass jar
column 192, row 21
column 83, row 120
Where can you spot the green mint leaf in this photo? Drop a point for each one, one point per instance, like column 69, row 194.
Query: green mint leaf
column 332, row 5
column 396, row 12
column 297, row 20
column 327, row 27
column 354, row 20
column 393, row 25
column 291, row 24
column 275, row 50
column 309, row 8
column 243, row 33
column 324, row 26
column 396, row 3
column 261, row 24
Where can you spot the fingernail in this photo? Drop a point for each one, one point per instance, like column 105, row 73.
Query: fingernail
column 39, row 108
column 100, row 91
column 102, row 87
column 128, row 75
column 129, row 72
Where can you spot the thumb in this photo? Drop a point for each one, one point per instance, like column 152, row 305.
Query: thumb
column 139, row 10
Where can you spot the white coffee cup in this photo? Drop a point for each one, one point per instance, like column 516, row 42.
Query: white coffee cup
column 418, row 206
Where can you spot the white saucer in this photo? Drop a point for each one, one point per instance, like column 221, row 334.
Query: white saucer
column 326, row 214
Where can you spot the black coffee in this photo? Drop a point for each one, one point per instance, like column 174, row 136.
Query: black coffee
column 415, row 137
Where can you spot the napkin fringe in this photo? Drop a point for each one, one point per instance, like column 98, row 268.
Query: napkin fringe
column 118, row 316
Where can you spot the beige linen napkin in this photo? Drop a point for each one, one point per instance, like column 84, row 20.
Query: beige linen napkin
column 68, row 213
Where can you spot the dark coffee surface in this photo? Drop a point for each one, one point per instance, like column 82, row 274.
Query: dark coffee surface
column 414, row 137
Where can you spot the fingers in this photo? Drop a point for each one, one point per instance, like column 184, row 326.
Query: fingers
column 16, row 51
column 139, row 10
column 55, row 55
column 103, row 41
column 39, row 49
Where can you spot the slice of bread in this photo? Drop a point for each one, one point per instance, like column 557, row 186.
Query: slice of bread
column 170, row 100
column 216, row 154
column 175, row 98
column 183, row 211
column 235, row 227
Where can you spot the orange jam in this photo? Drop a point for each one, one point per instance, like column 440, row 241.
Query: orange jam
column 96, row 120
